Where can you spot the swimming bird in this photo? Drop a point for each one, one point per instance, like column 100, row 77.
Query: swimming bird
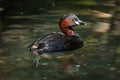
column 65, row 40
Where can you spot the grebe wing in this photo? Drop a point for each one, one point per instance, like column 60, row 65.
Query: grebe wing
column 56, row 41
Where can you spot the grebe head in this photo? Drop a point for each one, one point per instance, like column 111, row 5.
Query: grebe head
column 68, row 21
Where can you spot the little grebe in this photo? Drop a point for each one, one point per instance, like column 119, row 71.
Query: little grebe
column 66, row 40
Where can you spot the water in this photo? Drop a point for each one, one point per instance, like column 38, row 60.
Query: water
column 99, row 59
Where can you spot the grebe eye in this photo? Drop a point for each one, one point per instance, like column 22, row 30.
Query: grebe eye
column 75, row 19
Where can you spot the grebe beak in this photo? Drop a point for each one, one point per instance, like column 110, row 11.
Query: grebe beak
column 80, row 23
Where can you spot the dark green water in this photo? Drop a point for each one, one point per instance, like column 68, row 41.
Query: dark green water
column 99, row 59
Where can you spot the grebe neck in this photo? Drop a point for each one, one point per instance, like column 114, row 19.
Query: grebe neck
column 66, row 28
